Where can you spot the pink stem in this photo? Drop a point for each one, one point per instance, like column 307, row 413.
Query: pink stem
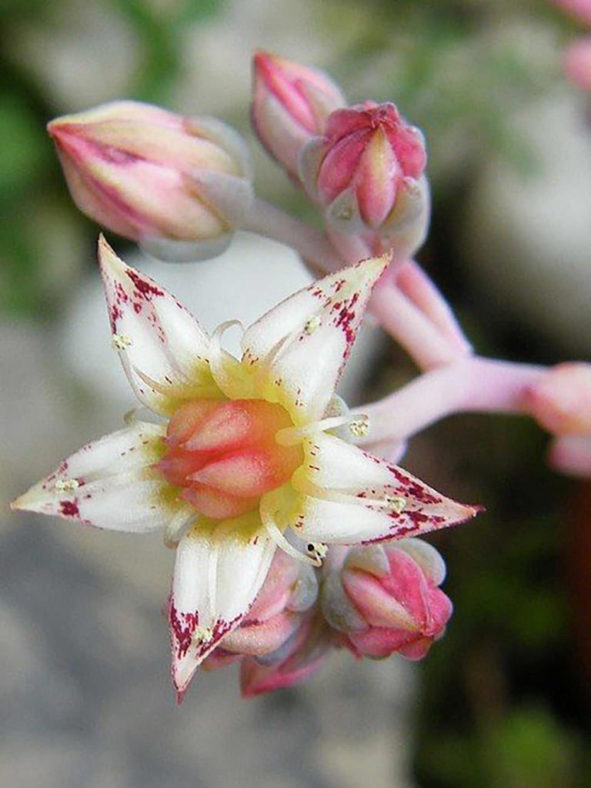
column 419, row 287
column 419, row 319
column 405, row 322
column 424, row 336
column 469, row 384
column 312, row 244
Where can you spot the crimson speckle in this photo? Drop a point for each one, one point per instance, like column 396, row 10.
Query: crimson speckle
column 69, row 508
column 183, row 625
column 144, row 286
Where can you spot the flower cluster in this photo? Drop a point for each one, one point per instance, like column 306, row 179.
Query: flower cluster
column 294, row 531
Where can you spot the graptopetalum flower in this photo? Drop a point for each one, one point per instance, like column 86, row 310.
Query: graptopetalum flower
column 243, row 460
column 177, row 185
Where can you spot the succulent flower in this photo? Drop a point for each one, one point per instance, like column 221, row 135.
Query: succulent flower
column 290, row 106
column 242, row 459
column 175, row 184
column 366, row 170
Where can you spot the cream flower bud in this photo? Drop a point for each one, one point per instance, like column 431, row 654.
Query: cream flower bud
column 367, row 172
column 177, row 185
column 561, row 400
column 386, row 599
column 290, row 106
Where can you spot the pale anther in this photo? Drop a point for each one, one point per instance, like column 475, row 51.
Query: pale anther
column 121, row 341
column 312, row 324
column 202, row 635
column 359, row 427
column 396, row 502
column 67, row 485
column 318, row 550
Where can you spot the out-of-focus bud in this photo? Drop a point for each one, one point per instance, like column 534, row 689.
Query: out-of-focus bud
column 386, row 599
column 290, row 106
column 177, row 185
column 367, row 171
column 561, row 400
column 299, row 657
column 571, row 454
column 577, row 63
column 276, row 616
column 581, row 9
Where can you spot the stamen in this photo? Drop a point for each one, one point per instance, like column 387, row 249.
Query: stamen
column 202, row 635
column 290, row 436
column 359, row 427
column 66, row 485
column 224, row 366
column 278, row 537
column 396, row 503
column 313, row 324
column 131, row 378
column 121, row 341
column 178, row 526
column 318, row 550
column 161, row 388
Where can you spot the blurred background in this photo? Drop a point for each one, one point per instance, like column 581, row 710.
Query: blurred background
column 504, row 699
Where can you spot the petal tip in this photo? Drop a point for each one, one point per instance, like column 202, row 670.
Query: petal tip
column 109, row 261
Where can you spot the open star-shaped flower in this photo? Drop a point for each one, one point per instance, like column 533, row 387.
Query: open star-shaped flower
column 242, row 458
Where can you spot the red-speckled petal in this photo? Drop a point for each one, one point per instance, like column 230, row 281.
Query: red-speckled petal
column 163, row 349
column 109, row 483
column 349, row 496
column 302, row 344
column 216, row 579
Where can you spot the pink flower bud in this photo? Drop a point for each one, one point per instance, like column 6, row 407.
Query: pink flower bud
column 577, row 63
column 290, row 106
column 275, row 617
column 175, row 184
column 367, row 171
column 386, row 599
column 561, row 400
column 300, row 656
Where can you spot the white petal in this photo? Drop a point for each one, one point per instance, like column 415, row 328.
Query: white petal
column 108, row 483
column 349, row 496
column 216, row 579
column 302, row 344
column 162, row 347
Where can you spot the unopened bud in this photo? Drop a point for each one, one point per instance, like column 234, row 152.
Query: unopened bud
column 577, row 63
column 366, row 170
column 177, row 185
column 290, row 106
column 386, row 599
column 561, row 400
